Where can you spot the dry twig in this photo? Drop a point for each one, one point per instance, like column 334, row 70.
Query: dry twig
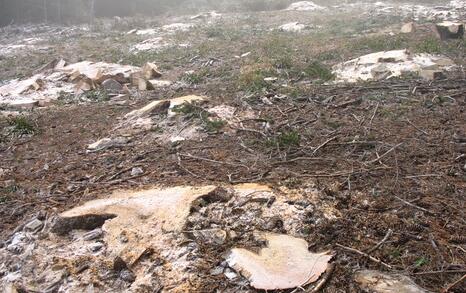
column 376, row 260
column 454, row 284
column 414, row 206
column 389, row 233
column 385, row 154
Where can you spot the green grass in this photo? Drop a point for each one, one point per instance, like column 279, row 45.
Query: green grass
column 188, row 109
column 318, row 71
column 196, row 77
column 21, row 125
column 396, row 253
column 5, row 193
column 380, row 43
column 252, row 80
column 213, row 125
column 192, row 111
column 98, row 95
column 285, row 139
column 284, row 61
column 430, row 45
column 421, row 262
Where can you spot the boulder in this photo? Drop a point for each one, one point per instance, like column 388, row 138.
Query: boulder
column 112, row 86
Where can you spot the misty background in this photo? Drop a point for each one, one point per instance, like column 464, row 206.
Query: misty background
column 78, row 11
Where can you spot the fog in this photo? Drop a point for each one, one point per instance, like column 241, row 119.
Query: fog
column 76, row 11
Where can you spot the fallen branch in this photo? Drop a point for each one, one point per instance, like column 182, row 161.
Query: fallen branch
column 325, row 278
column 212, row 161
column 440, row 272
column 414, row 206
column 298, row 159
column 376, row 260
column 375, row 113
column 418, row 129
column 454, row 284
column 340, row 174
column 249, row 130
column 324, row 144
column 123, row 171
column 389, row 233
column 425, row 175
column 385, row 154
column 348, row 103
column 183, row 168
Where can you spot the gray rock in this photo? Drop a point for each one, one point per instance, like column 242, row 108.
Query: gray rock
column 92, row 235
column 137, row 171
column 34, row 225
column 230, row 274
column 211, row 236
column 112, row 86
column 127, row 276
column 95, row 247
column 217, row 271
column 15, row 249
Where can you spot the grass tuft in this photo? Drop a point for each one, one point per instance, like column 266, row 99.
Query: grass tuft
column 319, row 71
column 21, row 125
column 192, row 111
column 285, row 139
column 429, row 45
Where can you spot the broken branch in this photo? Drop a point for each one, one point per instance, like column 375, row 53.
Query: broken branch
column 413, row 205
column 389, row 233
column 376, row 260
column 385, row 154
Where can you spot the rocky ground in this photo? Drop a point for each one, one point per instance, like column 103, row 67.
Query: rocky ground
column 138, row 185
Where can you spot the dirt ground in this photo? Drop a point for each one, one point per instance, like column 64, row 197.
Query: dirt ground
column 388, row 155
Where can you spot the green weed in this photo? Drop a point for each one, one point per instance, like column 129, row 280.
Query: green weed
column 318, row 71
column 21, row 125
column 252, row 80
column 285, row 139
column 213, row 125
column 430, row 45
column 95, row 95
column 188, row 109
column 421, row 262
column 196, row 77
column 192, row 111
column 381, row 43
